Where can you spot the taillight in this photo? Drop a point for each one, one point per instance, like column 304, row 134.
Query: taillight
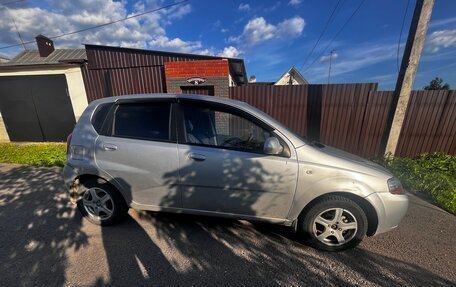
column 68, row 142
column 395, row 186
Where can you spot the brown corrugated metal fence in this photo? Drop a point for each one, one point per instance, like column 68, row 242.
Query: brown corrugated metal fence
column 353, row 117
column 342, row 115
column 429, row 124
column 287, row 104
column 339, row 115
column 111, row 71
column 374, row 123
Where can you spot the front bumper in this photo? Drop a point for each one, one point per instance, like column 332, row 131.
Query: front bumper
column 391, row 209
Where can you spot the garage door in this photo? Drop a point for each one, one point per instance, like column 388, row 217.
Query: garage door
column 36, row 108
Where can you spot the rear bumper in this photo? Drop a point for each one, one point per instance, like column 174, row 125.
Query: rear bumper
column 391, row 209
column 69, row 177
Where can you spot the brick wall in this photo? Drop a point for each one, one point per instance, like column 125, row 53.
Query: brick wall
column 201, row 68
column 216, row 73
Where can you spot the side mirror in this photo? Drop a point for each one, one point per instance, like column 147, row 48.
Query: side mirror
column 272, row 146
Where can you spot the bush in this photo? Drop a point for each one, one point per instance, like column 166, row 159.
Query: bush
column 430, row 174
column 42, row 154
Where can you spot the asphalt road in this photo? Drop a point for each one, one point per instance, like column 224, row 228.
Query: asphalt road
column 45, row 242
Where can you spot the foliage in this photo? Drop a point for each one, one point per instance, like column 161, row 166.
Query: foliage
column 437, row 84
column 42, row 154
column 429, row 174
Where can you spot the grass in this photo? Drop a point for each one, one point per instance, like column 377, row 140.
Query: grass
column 40, row 154
column 431, row 175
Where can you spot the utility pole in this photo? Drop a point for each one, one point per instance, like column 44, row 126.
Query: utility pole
column 330, row 61
column 409, row 65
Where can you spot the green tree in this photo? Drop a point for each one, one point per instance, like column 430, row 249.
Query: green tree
column 437, row 84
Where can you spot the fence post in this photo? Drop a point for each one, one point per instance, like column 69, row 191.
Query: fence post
column 314, row 107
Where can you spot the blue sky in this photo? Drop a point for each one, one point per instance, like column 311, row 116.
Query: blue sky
column 270, row 36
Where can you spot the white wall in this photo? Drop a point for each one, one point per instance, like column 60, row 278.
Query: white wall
column 3, row 133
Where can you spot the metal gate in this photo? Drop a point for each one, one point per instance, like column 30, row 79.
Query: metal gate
column 36, row 108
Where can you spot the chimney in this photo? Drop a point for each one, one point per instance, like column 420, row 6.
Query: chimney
column 45, row 45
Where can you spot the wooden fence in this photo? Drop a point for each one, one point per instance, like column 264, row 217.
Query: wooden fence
column 353, row 117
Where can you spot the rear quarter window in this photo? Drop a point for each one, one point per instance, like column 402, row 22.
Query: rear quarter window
column 100, row 116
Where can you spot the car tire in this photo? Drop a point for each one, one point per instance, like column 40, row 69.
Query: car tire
column 100, row 203
column 333, row 223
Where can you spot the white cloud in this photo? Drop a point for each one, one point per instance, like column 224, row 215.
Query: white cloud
column 230, row 52
column 440, row 39
column 442, row 22
column 224, row 30
column 326, row 58
column 291, row 27
column 178, row 45
column 354, row 58
column 273, row 7
column 244, row 7
column 258, row 30
column 67, row 16
column 294, row 2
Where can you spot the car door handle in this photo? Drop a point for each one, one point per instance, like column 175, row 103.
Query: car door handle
column 109, row 147
column 196, row 156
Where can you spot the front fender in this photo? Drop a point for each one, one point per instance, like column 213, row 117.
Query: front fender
column 306, row 193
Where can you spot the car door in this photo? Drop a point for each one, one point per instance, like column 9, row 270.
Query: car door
column 222, row 167
column 139, row 151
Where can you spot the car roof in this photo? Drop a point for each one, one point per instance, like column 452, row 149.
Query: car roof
column 173, row 96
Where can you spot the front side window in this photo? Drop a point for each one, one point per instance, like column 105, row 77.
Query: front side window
column 212, row 127
column 148, row 121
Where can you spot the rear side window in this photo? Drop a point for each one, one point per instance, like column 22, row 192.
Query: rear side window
column 148, row 121
column 100, row 116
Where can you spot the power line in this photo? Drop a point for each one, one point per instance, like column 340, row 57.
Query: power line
column 11, row 2
column 102, row 25
column 15, row 25
column 321, row 35
column 337, row 34
column 400, row 35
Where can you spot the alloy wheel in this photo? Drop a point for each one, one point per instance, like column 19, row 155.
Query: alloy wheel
column 335, row 226
column 98, row 203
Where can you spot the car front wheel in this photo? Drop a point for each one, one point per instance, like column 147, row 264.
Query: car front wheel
column 334, row 223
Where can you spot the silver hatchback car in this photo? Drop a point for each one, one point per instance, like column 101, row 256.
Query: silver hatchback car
column 213, row 156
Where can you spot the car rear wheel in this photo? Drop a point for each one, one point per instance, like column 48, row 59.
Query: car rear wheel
column 100, row 203
column 334, row 223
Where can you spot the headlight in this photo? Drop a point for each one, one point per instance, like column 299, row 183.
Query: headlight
column 395, row 186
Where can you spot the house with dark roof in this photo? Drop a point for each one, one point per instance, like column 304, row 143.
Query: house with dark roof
column 43, row 92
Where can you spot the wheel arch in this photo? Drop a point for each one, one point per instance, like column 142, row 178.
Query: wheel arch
column 88, row 176
column 366, row 206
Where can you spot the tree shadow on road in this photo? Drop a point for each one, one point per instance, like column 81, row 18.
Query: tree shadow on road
column 38, row 225
column 165, row 249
